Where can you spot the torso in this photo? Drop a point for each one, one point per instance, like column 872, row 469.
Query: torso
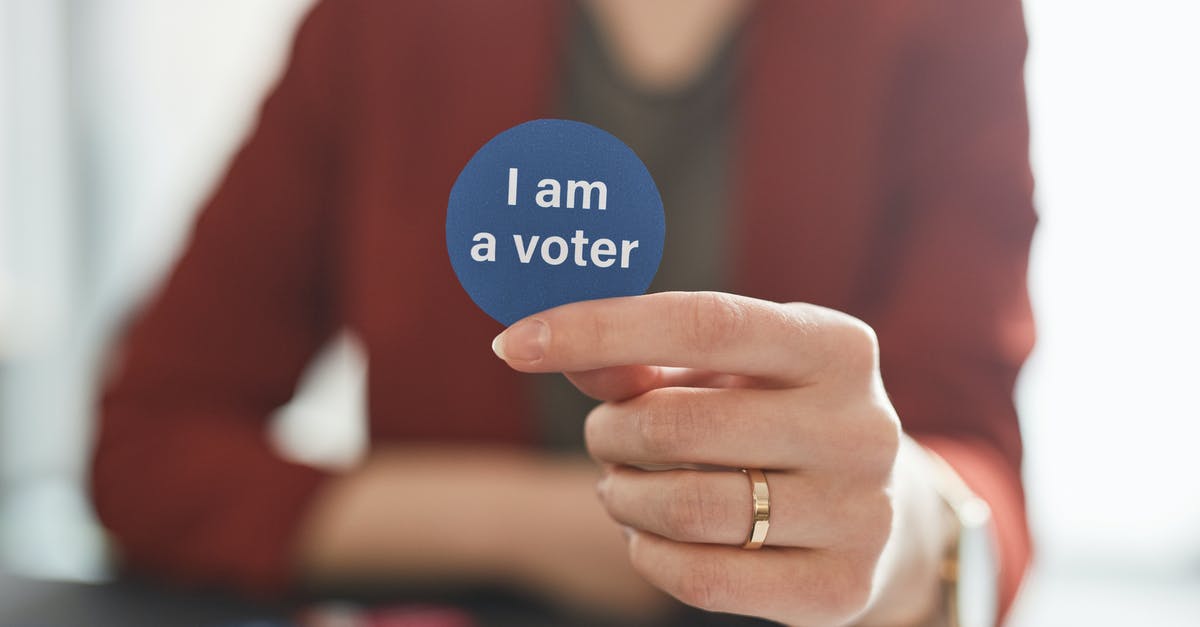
column 802, row 185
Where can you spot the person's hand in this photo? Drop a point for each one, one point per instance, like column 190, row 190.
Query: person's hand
column 697, row 381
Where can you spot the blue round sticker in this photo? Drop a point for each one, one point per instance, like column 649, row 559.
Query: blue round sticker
column 551, row 212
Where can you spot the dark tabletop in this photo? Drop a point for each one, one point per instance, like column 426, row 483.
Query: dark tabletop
column 30, row 603
column 132, row 603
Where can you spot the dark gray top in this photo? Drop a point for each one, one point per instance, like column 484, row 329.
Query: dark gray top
column 683, row 138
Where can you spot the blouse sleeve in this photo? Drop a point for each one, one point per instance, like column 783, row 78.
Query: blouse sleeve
column 184, row 476
column 954, row 323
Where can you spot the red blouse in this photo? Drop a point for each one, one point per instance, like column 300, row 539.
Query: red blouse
column 880, row 167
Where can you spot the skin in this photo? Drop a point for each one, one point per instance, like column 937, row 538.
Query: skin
column 376, row 525
column 856, row 530
column 661, row 45
column 688, row 379
column 715, row 380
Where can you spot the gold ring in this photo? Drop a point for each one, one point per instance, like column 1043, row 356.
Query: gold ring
column 760, row 498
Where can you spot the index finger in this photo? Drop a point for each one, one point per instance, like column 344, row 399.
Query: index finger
column 700, row 330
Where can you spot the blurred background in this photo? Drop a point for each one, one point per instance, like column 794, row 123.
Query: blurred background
column 116, row 117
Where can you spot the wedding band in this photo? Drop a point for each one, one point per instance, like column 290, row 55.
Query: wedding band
column 760, row 498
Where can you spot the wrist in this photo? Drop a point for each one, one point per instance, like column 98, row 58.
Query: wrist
column 908, row 576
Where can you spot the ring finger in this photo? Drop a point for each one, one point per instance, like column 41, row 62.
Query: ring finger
column 715, row 507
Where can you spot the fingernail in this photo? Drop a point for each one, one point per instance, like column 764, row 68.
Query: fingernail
column 523, row 341
column 627, row 531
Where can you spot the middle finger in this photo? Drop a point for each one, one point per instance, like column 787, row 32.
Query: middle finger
column 789, row 428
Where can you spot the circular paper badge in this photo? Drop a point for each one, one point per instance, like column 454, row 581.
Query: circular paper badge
column 551, row 212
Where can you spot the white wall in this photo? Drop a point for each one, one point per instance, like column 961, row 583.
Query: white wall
column 117, row 117
column 1109, row 408
column 40, row 407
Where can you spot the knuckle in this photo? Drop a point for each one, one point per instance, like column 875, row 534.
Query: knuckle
column 872, row 436
column 705, row 586
column 872, row 513
column 884, row 442
column 883, row 513
column 667, row 422
column 857, row 591
column 712, row 318
column 593, row 427
column 859, row 346
column 657, row 435
column 603, row 333
column 688, row 510
column 643, row 563
column 850, row 590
